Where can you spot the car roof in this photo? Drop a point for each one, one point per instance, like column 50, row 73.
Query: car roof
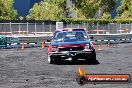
column 71, row 29
column 74, row 28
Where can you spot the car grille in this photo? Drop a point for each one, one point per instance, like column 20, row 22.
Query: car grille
column 80, row 48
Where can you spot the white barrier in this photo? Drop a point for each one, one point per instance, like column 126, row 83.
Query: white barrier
column 120, row 38
column 96, row 38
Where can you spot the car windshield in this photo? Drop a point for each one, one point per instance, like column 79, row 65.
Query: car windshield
column 70, row 34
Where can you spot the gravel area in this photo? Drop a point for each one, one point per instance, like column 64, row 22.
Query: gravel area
column 29, row 68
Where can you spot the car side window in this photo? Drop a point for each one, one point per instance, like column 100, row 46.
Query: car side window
column 59, row 35
column 79, row 35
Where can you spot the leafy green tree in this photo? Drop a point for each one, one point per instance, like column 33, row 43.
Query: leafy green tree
column 88, row 8
column 21, row 18
column 62, row 5
column 55, row 9
column 106, row 16
column 7, row 11
column 45, row 11
column 107, row 5
column 125, row 9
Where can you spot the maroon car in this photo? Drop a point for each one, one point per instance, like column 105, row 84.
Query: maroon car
column 71, row 44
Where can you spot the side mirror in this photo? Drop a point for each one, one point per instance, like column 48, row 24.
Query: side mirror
column 49, row 40
column 91, row 37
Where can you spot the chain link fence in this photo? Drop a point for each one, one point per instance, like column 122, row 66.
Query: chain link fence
column 34, row 28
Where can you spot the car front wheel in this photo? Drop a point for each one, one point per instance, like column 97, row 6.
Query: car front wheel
column 50, row 60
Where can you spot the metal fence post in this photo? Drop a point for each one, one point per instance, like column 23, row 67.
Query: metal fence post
column 109, row 27
column 97, row 28
column 120, row 28
column 71, row 25
column 131, row 27
column 10, row 28
column 126, row 25
column 50, row 27
column 35, row 28
column 67, row 25
column 78, row 25
column 43, row 27
column 27, row 28
column 84, row 25
column 19, row 29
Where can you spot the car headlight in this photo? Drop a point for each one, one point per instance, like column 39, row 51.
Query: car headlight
column 54, row 49
column 87, row 46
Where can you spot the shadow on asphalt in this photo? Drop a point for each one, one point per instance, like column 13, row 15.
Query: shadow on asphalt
column 78, row 63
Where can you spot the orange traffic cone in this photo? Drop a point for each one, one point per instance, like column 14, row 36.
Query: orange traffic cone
column 23, row 46
column 43, row 44
column 100, row 47
column 108, row 45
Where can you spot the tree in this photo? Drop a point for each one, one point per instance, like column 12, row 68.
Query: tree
column 7, row 11
column 106, row 16
column 125, row 9
column 107, row 5
column 86, row 8
column 45, row 10
column 55, row 9
column 90, row 7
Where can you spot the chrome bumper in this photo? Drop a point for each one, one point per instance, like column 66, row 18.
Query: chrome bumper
column 69, row 53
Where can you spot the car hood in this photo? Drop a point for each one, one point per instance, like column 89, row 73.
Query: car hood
column 61, row 43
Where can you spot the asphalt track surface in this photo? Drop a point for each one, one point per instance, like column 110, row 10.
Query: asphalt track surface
column 29, row 68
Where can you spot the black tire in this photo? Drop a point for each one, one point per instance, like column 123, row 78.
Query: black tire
column 53, row 60
column 57, row 61
column 50, row 60
column 92, row 58
column 74, row 60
